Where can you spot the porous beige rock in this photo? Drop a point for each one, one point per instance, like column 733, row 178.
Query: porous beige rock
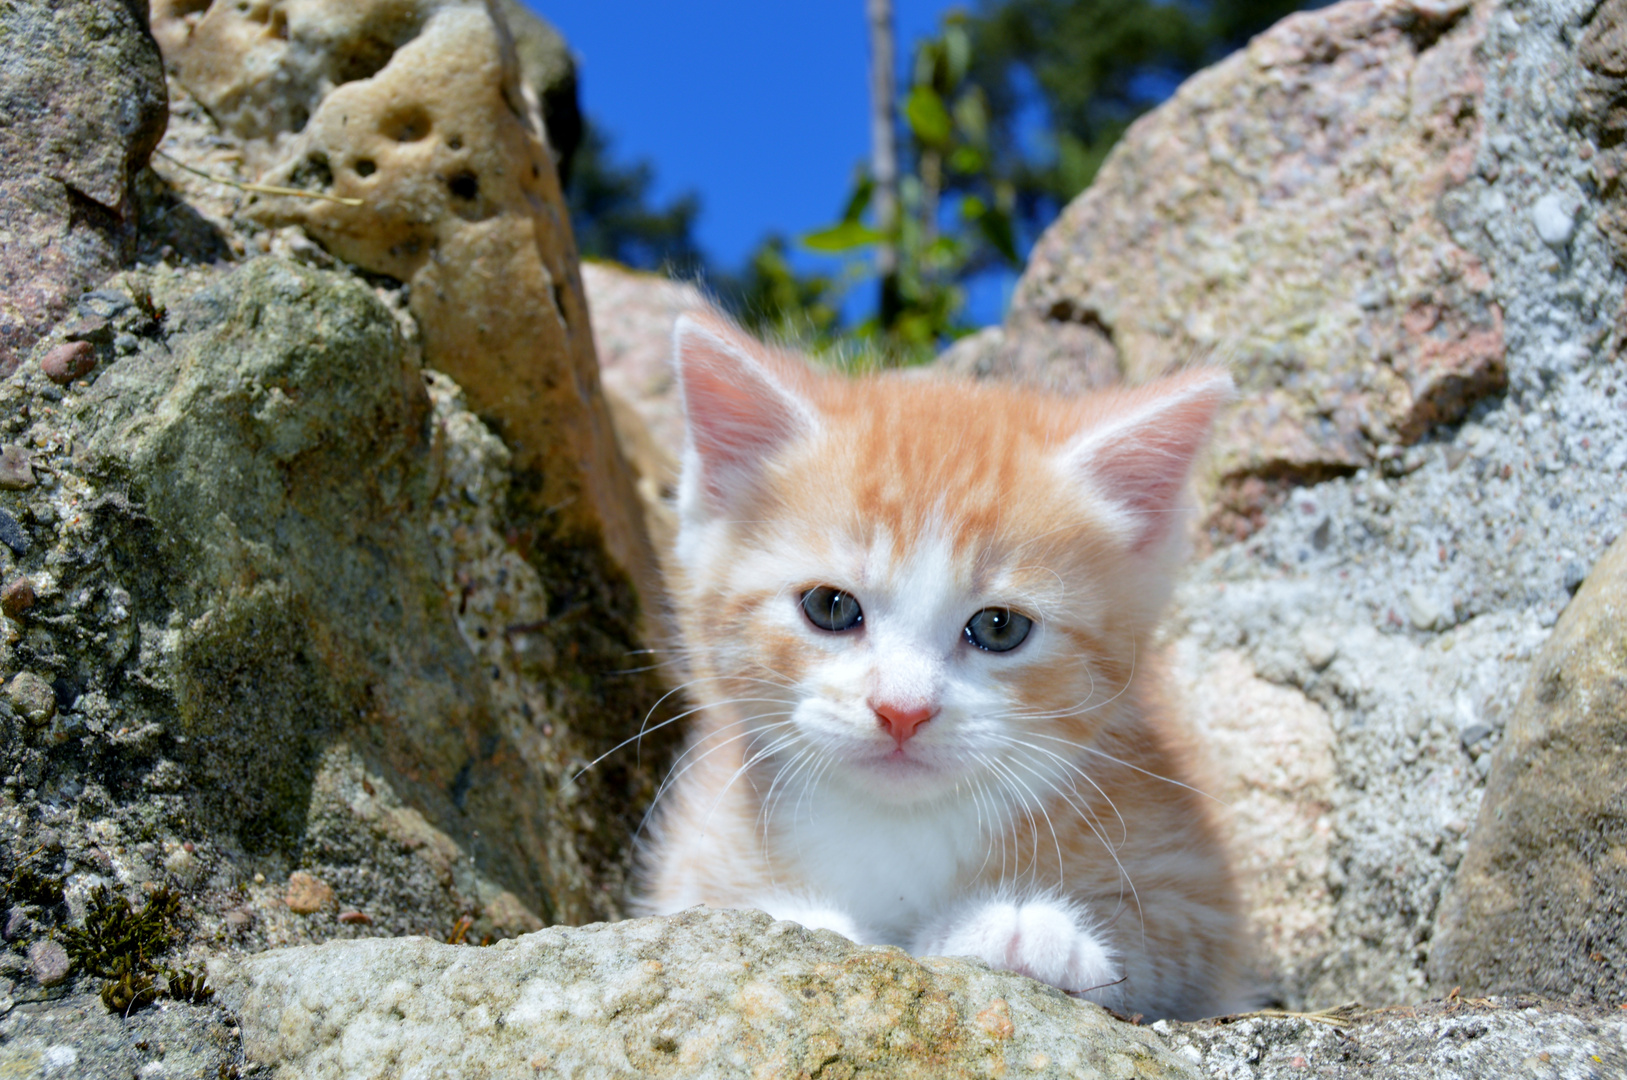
column 411, row 119
column 1282, row 215
column 703, row 993
column 1539, row 899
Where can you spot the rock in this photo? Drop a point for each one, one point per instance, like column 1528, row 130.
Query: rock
column 1539, row 901
column 16, row 471
column 633, row 316
column 1281, row 215
column 32, row 697
column 307, row 894
column 1481, row 1039
column 356, row 664
column 12, row 534
column 713, row 993
column 429, row 129
column 549, row 69
column 1270, row 763
column 82, row 104
column 69, row 361
column 48, row 962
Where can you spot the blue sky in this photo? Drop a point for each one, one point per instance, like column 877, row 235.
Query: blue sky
column 760, row 106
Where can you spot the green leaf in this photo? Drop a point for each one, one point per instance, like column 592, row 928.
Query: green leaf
column 997, row 229
column 846, row 236
column 972, row 116
column 957, row 47
column 968, row 160
column 927, row 117
column 864, row 186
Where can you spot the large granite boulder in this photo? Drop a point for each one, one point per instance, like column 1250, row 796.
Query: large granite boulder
column 1539, row 901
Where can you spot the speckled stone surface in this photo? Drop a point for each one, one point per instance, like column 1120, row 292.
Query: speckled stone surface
column 702, row 993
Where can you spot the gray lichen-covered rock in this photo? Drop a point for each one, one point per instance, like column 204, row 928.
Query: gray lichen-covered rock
column 1540, row 901
column 278, row 628
column 703, row 993
column 1460, row 1039
column 81, row 106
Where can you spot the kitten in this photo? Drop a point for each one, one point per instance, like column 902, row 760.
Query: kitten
column 917, row 614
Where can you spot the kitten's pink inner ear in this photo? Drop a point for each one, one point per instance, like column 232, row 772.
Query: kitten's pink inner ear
column 1140, row 456
column 740, row 410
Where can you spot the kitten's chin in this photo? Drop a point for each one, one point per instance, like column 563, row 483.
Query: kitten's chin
column 902, row 776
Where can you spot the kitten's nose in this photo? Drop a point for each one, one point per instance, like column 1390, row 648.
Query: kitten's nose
column 901, row 722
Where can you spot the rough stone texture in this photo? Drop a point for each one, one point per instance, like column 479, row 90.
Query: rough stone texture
column 549, row 70
column 1280, row 215
column 81, row 106
column 1481, row 1039
column 1539, row 901
column 434, row 136
column 46, row 1035
column 48, row 963
column 1348, row 213
column 280, row 628
column 704, row 993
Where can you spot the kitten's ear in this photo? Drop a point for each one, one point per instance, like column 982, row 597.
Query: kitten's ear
column 1138, row 456
column 740, row 403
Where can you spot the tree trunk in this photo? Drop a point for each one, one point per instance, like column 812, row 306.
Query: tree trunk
column 884, row 153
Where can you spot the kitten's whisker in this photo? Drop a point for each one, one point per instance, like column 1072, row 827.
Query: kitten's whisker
column 1133, row 768
column 1055, row 840
column 1124, row 828
column 642, row 731
column 676, row 773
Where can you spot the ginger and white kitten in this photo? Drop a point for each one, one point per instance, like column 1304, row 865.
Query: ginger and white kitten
column 917, row 613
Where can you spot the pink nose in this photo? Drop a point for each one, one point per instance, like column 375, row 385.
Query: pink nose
column 902, row 722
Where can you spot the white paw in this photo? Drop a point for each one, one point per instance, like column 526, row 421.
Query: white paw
column 1043, row 939
column 812, row 914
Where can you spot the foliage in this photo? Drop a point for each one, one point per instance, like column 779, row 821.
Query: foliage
column 121, row 944
column 939, row 245
column 614, row 218
column 772, row 299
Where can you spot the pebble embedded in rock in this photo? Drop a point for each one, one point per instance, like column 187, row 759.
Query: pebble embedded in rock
column 12, row 535
column 48, row 962
column 17, row 597
column 307, row 893
column 17, row 923
column 70, row 361
column 16, row 470
column 1555, row 221
column 32, row 697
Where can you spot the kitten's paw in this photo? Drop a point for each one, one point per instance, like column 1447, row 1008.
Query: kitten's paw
column 812, row 914
column 1043, row 939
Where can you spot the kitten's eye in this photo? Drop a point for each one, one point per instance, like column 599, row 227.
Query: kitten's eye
column 998, row 629
column 831, row 609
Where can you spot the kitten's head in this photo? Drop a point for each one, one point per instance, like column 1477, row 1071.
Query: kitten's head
column 920, row 579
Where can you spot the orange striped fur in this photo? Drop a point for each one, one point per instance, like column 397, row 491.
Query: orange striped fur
column 1039, row 818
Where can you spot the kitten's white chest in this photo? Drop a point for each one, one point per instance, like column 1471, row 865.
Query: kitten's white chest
column 889, row 867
